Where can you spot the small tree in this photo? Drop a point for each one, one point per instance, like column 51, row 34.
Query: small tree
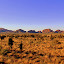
column 21, row 46
column 10, row 43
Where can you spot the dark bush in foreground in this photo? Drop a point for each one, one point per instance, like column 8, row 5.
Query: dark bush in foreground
column 2, row 37
column 10, row 43
column 2, row 62
column 32, row 36
column 21, row 46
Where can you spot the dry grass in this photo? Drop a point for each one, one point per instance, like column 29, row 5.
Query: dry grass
column 36, row 48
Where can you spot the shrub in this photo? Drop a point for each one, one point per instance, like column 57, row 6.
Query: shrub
column 0, row 47
column 10, row 43
column 21, row 46
column 60, row 36
column 2, row 62
column 45, row 36
column 16, row 36
column 51, row 37
column 2, row 37
column 5, row 51
column 32, row 36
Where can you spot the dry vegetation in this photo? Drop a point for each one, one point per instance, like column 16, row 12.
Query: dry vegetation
column 32, row 48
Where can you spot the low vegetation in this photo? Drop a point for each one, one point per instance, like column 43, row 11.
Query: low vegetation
column 31, row 48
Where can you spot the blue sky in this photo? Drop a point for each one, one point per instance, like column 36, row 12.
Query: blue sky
column 32, row 14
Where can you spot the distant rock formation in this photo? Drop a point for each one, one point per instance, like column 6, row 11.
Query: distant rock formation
column 47, row 31
column 58, row 31
column 5, row 30
column 20, row 30
column 62, row 31
column 32, row 31
column 39, row 31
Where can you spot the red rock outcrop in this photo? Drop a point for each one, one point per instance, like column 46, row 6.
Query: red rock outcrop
column 47, row 31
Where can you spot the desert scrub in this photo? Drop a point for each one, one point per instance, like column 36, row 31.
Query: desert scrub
column 10, row 43
column 51, row 37
column 4, row 51
column 2, row 37
column 16, row 36
column 31, row 41
column 0, row 47
column 60, row 36
column 45, row 35
column 32, row 36
column 2, row 62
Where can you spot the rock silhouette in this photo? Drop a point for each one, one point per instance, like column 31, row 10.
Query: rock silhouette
column 39, row 31
column 32, row 31
column 20, row 30
column 5, row 30
column 58, row 31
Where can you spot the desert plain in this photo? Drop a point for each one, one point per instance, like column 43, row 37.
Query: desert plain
column 37, row 48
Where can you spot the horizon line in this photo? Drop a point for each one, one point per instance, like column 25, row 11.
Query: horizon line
column 31, row 29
